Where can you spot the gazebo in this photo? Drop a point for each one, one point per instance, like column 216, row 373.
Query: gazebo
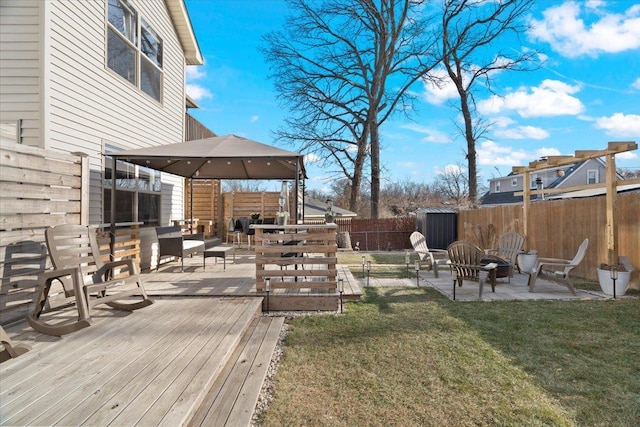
column 222, row 157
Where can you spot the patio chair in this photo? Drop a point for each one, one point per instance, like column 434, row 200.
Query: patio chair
column 465, row 262
column 77, row 264
column 10, row 349
column 431, row 257
column 172, row 242
column 557, row 270
column 511, row 244
column 234, row 229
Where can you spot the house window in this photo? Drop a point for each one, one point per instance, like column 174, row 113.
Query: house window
column 496, row 186
column 592, row 176
column 534, row 178
column 514, row 182
column 134, row 49
column 138, row 195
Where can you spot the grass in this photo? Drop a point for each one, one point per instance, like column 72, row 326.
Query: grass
column 411, row 357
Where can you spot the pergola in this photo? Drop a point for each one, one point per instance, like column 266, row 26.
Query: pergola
column 222, row 157
column 611, row 184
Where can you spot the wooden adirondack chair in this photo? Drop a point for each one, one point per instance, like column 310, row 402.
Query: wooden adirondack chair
column 465, row 261
column 77, row 263
column 9, row 348
column 432, row 257
column 510, row 246
column 557, row 270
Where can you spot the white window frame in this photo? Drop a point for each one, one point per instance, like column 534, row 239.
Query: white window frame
column 596, row 176
column 135, row 43
column 514, row 182
column 496, row 187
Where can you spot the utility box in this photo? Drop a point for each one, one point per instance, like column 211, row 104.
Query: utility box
column 438, row 225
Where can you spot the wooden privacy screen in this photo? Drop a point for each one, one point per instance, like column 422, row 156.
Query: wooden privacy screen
column 296, row 257
column 40, row 188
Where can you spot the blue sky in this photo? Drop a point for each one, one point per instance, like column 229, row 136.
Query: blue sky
column 586, row 93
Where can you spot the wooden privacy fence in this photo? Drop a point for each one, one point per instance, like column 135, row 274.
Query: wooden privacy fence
column 40, row 188
column 557, row 227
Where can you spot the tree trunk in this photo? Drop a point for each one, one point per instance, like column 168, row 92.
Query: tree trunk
column 471, row 149
column 375, row 170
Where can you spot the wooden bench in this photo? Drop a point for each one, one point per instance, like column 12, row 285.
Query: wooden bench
column 172, row 242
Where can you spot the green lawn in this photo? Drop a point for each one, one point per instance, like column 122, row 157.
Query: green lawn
column 411, row 357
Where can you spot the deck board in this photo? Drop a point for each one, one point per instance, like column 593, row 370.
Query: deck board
column 107, row 372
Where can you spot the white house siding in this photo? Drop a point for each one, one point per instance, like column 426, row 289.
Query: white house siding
column 20, row 53
column 91, row 106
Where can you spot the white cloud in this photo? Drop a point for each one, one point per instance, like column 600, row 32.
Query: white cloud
column 493, row 154
column 551, row 98
column 254, row 119
column 408, row 165
column 195, row 72
column 566, row 32
column 636, row 84
column 522, row 132
column 431, row 135
column 620, row 125
column 196, row 91
column 311, row 158
column 627, row 155
column 440, row 92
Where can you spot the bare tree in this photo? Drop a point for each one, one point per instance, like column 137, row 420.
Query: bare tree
column 470, row 30
column 453, row 184
column 401, row 198
column 243, row 185
column 342, row 67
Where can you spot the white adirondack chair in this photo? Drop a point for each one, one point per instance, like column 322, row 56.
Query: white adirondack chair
column 557, row 270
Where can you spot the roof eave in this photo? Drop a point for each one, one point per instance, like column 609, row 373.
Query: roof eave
column 184, row 30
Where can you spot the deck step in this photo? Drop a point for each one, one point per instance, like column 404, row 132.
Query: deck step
column 234, row 394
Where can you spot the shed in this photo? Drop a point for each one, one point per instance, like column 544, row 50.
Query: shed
column 438, row 225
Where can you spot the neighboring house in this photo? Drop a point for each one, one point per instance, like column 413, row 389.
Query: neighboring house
column 96, row 76
column 315, row 209
column 501, row 190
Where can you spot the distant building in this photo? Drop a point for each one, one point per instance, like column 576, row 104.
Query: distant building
column 502, row 190
column 315, row 209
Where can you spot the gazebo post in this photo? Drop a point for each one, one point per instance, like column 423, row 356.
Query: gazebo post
column 611, row 206
column 191, row 203
column 112, row 230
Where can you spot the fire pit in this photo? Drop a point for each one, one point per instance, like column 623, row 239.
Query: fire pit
column 503, row 265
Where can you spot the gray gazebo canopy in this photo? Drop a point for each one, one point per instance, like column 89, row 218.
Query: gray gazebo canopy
column 221, row 157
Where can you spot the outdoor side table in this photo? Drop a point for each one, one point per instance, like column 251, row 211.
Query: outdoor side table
column 218, row 252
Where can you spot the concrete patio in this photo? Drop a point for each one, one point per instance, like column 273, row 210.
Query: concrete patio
column 516, row 289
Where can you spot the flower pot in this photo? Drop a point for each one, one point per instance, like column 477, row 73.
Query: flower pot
column 527, row 262
column 282, row 220
column 606, row 283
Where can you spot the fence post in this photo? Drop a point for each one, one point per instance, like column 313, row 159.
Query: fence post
column 84, row 186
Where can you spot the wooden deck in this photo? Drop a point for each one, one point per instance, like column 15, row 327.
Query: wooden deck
column 197, row 356
column 239, row 279
column 155, row 366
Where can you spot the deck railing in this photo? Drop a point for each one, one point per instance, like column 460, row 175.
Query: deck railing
column 309, row 249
